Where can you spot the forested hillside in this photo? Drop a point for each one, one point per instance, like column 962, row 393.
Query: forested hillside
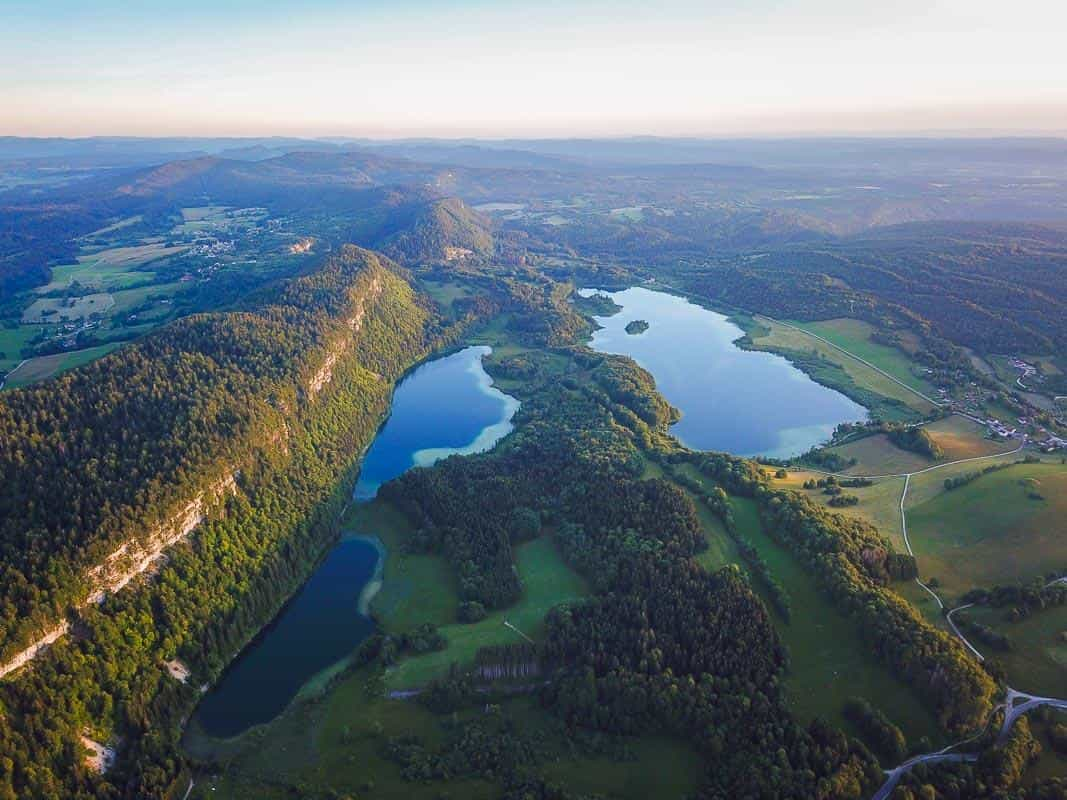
column 282, row 395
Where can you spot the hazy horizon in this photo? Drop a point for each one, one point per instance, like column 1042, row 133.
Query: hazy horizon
column 499, row 70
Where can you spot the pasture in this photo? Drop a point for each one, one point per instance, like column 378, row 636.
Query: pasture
column 854, row 336
column 57, row 310
column 547, row 581
column 114, row 268
column 829, row 661
column 43, row 367
column 775, row 337
column 1037, row 662
column 1003, row 527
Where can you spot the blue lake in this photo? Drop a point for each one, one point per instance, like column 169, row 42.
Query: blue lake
column 445, row 406
column 737, row 401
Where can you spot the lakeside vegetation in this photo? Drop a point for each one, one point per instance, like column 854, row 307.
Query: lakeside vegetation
column 218, row 589
column 697, row 625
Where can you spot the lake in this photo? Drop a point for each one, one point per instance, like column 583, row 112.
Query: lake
column 445, row 406
column 738, row 401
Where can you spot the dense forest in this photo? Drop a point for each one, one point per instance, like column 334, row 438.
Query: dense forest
column 239, row 387
column 664, row 645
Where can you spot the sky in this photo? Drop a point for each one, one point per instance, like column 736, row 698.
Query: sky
column 544, row 68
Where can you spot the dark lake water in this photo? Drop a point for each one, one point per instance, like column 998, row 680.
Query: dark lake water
column 733, row 400
column 319, row 626
column 445, row 406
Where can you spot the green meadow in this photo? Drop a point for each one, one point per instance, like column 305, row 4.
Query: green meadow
column 1004, row 527
column 547, row 581
column 829, row 661
column 854, row 336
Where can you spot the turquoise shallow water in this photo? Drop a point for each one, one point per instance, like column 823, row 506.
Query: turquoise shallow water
column 445, row 406
column 448, row 405
column 732, row 400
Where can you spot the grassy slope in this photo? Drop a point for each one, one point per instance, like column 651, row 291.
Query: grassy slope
column 784, row 339
column 1038, row 661
column 989, row 531
column 829, row 660
column 854, row 335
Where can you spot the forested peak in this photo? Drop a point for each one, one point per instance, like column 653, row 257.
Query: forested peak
column 443, row 229
column 167, row 176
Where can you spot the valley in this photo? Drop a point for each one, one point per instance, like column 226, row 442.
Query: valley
column 592, row 479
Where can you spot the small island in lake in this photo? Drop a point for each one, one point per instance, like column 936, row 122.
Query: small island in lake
column 636, row 326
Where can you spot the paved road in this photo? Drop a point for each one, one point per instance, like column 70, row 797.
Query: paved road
column 894, row 775
column 1013, row 710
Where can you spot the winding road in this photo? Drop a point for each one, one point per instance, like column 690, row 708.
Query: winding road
column 1012, row 709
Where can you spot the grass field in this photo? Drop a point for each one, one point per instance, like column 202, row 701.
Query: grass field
column 960, row 438
column 990, row 531
column 1037, row 662
column 199, row 213
column 12, row 340
column 879, row 503
column 829, row 662
column 854, row 336
column 42, row 367
column 547, row 581
column 781, row 338
column 445, row 293
column 114, row 268
column 55, row 310
column 661, row 767
column 876, row 455
column 415, row 588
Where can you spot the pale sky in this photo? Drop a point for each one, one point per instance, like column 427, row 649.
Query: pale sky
column 544, row 68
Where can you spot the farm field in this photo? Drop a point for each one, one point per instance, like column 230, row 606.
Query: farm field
column 66, row 309
column 776, row 337
column 960, row 438
column 829, row 662
column 42, row 367
column 547, row 581
column 114, row 268
column 1037, row 662
column 854, row 336
column 991, row 531
column 876, row 455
